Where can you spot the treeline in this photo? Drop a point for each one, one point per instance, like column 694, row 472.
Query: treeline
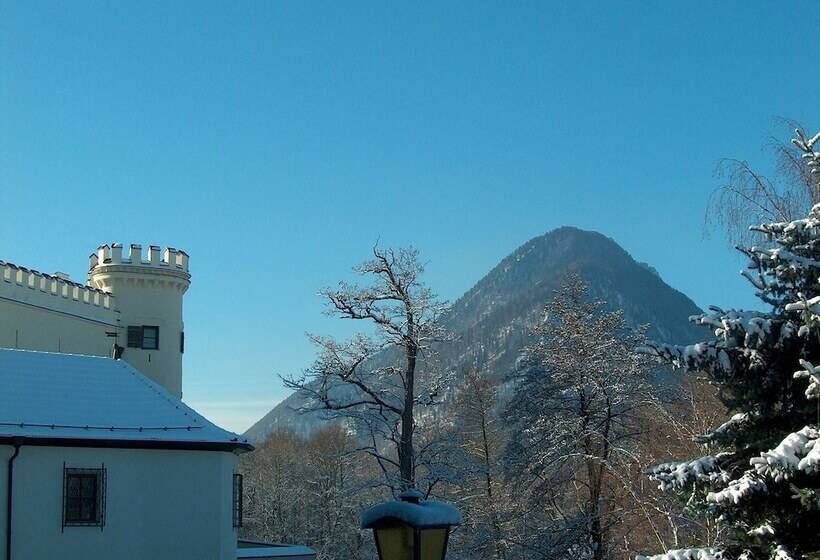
column 308, row 491
column 311, row 490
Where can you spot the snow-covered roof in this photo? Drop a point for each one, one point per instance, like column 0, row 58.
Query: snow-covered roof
column 46, row 396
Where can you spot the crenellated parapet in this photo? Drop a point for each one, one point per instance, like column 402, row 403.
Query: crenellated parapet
column 52, row 291
column 111, row 267
column 169, row 259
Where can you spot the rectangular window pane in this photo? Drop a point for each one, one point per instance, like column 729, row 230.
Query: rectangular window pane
column 150, row 338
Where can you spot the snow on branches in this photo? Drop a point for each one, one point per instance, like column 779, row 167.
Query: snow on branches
column 738, row 489
column 722, row 433
column 687, row 554
column 811, row 373
column 811, row 155
column 764, row 489
column 706, row 469
column 797, row 452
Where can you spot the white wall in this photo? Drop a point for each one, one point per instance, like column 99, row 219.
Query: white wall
column 41, row 313
column 160, row 504
column 149, row 299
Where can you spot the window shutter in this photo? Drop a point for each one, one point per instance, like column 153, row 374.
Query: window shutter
column 135, row 337
column 238, row 512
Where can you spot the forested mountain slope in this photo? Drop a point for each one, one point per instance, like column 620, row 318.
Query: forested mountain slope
column 492, row 319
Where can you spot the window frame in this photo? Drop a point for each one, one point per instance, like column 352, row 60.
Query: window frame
column 135, row 336
column 99, row 474
column 156, row 338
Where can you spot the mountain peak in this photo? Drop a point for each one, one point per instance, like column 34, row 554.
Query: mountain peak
column 492, row 320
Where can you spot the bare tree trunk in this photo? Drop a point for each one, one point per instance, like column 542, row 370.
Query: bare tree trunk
column 499, row 547
column 406, row 459
column 380, row 397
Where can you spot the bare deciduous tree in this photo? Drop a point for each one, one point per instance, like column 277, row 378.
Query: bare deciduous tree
column 376, row 381
column 577, row 406
column 308, row 491
column 481, row 494
column 750, row 197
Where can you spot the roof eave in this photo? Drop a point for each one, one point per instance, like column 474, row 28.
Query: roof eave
column 228, row 446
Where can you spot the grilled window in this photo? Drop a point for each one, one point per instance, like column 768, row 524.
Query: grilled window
column 83, row 497
column 145, row 337
column 237, row 500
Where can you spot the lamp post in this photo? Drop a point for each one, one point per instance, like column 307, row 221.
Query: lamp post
column 411, row 528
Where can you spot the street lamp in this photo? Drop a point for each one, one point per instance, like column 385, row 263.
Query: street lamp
column 411, row 528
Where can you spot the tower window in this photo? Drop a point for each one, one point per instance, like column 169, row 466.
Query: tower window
column 145, row 337
column 150, row 338
column 83, row 497
column 237, row 500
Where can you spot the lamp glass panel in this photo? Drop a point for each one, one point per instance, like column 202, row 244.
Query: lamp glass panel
column 433, row 542
column 395, row 543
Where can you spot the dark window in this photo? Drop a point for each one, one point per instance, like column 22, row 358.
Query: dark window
column 237, row 500
column 135, row 337
column 83, row 497
column 144, row 337
column 150, row 338
column 182, row 343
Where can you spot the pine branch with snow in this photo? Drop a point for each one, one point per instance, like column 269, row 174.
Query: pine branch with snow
column 764, row 489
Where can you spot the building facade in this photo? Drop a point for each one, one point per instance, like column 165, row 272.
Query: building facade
column 129, row 308
column 99, row 461
column 99, row 457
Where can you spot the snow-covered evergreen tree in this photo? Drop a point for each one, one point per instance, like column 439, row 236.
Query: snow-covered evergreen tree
column 763, row 486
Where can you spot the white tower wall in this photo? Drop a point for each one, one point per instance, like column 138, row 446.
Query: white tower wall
column 148, row 290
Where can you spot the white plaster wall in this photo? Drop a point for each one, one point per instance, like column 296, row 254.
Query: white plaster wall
column 158, row 303
column 32, row 327
column 5, row 453
column 149, row 296
column 160, row 504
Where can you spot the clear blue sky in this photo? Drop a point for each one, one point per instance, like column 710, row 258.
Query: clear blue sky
column 275, row 142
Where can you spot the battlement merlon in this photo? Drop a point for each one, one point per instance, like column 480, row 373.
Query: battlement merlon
column 170, row 259
column 58, row 287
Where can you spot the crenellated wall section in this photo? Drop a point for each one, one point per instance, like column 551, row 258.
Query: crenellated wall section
column 169, row 259
column 48, row 312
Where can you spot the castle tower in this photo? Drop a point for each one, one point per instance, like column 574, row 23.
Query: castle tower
column 148, row 295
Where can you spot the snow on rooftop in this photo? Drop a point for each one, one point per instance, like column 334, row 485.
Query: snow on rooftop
column 67, row 396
